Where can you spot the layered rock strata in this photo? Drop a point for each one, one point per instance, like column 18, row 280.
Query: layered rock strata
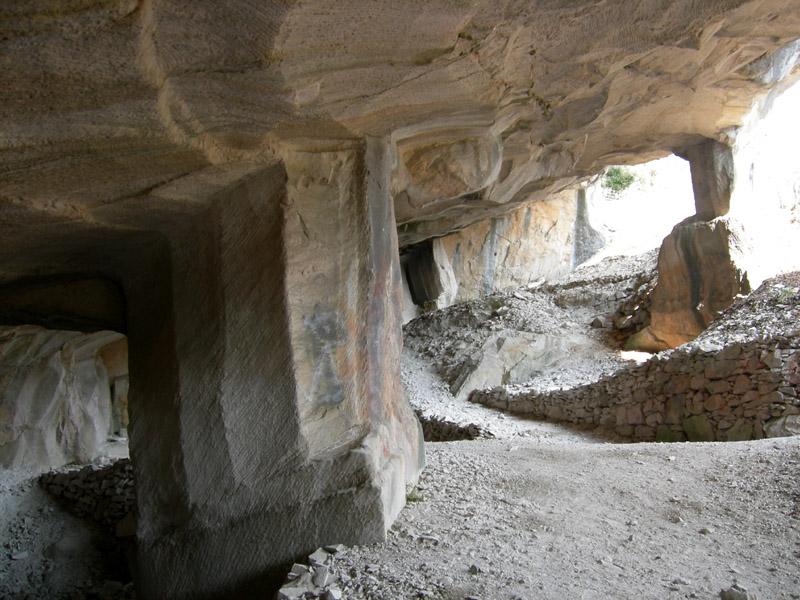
column 215, row 167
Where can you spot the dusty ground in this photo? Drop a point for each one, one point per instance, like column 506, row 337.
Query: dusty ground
column 552, row 517
column 540, row 511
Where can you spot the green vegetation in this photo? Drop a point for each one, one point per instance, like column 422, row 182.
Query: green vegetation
column 618, row 179
column 413, row 495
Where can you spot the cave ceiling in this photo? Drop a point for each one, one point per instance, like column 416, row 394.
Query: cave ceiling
column 108, row 107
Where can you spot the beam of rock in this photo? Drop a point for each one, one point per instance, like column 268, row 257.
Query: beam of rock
column 267, row 413
column 712, row 178
column 702, row 267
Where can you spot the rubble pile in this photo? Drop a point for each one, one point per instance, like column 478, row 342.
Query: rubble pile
column 103, row 494
column 313, row 579
column 438, row 429
column 538, row 330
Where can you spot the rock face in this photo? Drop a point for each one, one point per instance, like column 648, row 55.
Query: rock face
column 512, row 251
column 702, row 267
column 516, row 250
column 738, row 381
column 56, row 399
column 230, row 173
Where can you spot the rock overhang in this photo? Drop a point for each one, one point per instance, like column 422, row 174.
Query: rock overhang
column 494, row 105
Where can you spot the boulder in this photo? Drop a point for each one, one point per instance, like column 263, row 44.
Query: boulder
column 515, row 357
column 702, row 267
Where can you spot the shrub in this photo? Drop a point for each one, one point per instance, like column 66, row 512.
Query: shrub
column 618, row 179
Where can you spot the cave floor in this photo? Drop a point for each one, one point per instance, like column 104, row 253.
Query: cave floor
column 550, row 517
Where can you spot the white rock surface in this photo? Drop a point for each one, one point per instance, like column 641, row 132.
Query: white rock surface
column 55, row 397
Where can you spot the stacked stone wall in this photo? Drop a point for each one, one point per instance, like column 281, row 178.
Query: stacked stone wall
column 742, row 391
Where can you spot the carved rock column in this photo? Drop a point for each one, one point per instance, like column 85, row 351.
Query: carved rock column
column 267, row 413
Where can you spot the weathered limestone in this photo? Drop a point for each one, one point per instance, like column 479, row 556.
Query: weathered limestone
column 56, row 395
column 288, row 426
column 165, row 147
column 489, row 105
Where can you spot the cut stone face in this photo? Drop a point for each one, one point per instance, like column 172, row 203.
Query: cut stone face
column 289, row 427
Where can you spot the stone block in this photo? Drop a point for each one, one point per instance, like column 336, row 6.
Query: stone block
column 740, row 431
column 720, row 369
column 677, row 384
column 698, row 381
column 675, row 410
column 665, row 434
column 634, row 415
column 625, row 431
column 742, row 384
column 654, row 419
column 698, row 429
column 772, row 359
column 718, row 386
column 714, row 403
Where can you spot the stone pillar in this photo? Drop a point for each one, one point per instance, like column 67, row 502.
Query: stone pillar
column 704, row 263
column 712, row 178
column 267, row 413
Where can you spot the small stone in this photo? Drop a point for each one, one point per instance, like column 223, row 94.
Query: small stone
column 681, row 581
column 736, row 592
column 290, row 593
column 474, row 569
column 20, row 555
column 333, row 593
column 321, row 576
column 319, row 557
column 706, row 531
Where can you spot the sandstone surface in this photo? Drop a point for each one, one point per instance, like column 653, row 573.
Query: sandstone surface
column 702, row 267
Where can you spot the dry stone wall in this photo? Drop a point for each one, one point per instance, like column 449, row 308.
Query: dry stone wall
column 698, row 393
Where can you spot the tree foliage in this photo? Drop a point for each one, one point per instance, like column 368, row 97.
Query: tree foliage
column 618, row 178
